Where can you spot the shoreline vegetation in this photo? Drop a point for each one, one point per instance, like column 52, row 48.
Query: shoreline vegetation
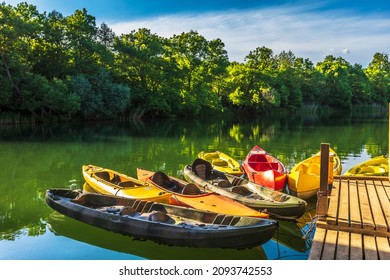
column 65, row 68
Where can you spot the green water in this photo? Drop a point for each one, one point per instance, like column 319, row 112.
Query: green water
column 33, row 159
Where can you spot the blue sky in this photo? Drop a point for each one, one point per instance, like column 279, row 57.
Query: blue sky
column 355, row 30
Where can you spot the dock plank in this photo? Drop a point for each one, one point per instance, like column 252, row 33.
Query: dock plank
column 355, row 214
column 334, row 203
column 343, row 213
column 356, row 247
column 329, row 250
column 384, row 202
column 357, row 222
column 387, row 189
column 343, row 240
column 383, row 248
column 367, row 220
column 377, row 213
column 370, row 249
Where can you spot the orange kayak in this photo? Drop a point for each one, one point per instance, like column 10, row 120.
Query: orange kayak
column 190, row 195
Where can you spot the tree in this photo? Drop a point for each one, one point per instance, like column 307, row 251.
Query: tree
column 336, row 72
column 201, row 64
column 361, row 87
column 15, row 34
column 312, row 82
column 378, row 72
column 248, row 89
column 115, row 98
column 287, row 81
column 80, row 34
column 261, row 58
column 253, row 82
column 52, row 53
column 141, row 63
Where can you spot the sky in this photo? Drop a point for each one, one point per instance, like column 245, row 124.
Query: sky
column 354, row 30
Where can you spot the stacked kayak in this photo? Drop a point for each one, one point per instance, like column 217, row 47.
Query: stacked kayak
column 155, row 188
column 222, row 162
column 304, row 177
column 162, row 223
column 377, row 166
column 276, row 204
column 187, row 194
column 265, row 169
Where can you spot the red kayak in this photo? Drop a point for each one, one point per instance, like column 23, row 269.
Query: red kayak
column 265, row 169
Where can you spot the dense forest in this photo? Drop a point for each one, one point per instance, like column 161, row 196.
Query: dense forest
column 55, row 66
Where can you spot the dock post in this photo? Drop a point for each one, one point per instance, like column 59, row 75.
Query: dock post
column 322, row 195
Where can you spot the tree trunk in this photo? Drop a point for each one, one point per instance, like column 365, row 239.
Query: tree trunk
column 16, row 94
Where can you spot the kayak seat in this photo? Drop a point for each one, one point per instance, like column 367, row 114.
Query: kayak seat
column 127, row 211
column 202, row 168
column 116, row 179
column 241, row 191
column 210, row 156
column 161, row 179
column 221, row 183
column 126, row 184
column 157, row 216
column 104, row 175
column 191, row 189
column 219, row 162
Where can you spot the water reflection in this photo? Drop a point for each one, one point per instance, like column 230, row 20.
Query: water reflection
column 70, row 228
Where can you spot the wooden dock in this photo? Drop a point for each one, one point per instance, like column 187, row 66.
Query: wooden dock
column 356, row 225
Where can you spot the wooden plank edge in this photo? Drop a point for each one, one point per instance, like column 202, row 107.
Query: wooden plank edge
column 365, row 178
column 364, row 231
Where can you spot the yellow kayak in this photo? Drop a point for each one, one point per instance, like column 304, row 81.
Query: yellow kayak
column 304, row 177
column 377, row 166
column 107, row 181
column 190, row 195
column 222, row 162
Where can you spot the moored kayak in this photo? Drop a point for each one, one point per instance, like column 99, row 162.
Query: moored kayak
column 265, row 169
column 162, row 223
column 222, row 162
column 276, row 204
column 106, row 181
column 187, row 194
column 304, row 177
column 377, row 166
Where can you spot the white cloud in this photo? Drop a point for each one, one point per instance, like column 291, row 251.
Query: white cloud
column 307, row 32
column 346, row 51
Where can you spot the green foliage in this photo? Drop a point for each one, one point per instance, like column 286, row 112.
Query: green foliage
column 336, row 71
column 61, row 100
column 378, row 72
column 140, row 63
column 200, row 65
column 360, row 85
column 99, row 96
column 55, row 65
column 114, row 98
column 5, row 92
